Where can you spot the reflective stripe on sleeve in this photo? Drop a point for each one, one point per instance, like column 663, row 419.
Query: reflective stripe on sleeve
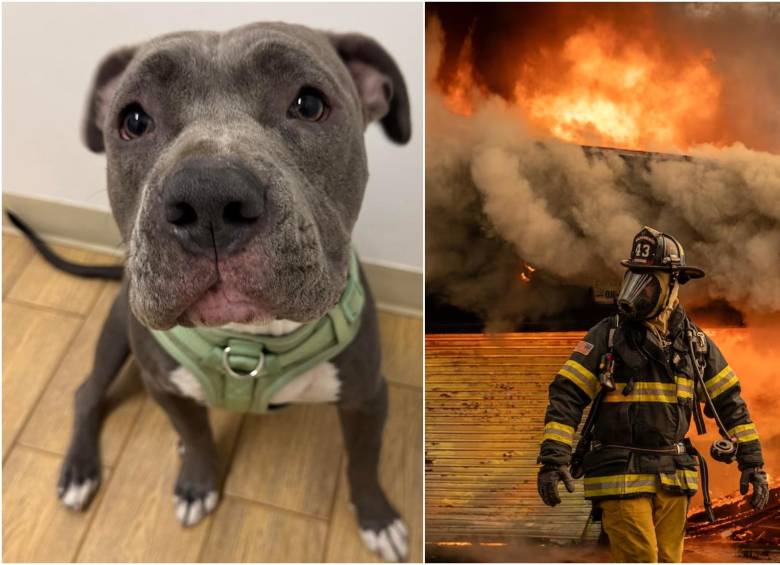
column 721, row 382
column 619, row 485
column 644, row 392
column 744, row 432
column 559, row 432
column 581, row 377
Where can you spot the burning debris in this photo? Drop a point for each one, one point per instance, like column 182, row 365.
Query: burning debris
column 751, row 533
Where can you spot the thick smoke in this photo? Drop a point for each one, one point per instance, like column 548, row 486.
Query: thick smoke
column 745, row 42
column 498, row 198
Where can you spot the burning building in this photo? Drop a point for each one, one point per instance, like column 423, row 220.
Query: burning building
column 529, row 210
column 504, row 189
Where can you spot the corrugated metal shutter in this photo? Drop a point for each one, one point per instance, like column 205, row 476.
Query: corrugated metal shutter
column 485, row 402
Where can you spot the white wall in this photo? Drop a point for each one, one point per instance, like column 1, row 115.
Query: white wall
column 50, row 52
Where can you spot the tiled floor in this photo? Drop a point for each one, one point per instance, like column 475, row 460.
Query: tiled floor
column 285, row 493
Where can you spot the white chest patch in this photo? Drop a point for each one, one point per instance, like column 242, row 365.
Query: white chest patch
column 318, row 384
column 274, row 327
column 187, row 384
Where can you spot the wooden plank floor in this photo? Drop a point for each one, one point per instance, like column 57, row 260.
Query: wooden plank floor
column 301, row 513
column 484, row 403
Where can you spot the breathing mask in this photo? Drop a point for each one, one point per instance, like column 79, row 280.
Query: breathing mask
column 643, row 294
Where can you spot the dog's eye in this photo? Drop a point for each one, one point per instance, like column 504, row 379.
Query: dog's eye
column 134, row 122
column 309, row 105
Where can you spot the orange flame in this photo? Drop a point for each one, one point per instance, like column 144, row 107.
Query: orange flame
column 605, row 87
column 459, row 97
column 624, row 95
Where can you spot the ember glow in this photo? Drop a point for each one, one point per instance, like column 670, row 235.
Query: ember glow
column 525, row 273
column 752, row 533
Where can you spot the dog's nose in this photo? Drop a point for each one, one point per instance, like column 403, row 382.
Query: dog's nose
column 211, row 205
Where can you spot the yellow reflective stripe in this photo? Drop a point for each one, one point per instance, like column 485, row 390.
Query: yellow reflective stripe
column 644, row 392
column 620, row 485
column 721, row 382
column 683, row 478
column 617, row 485
column 684, row 387
column 744, row 432
column 559, row 432
column 581, row 377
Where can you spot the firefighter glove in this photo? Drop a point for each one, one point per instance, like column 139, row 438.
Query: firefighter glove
column 757, row 477
column 547, row 483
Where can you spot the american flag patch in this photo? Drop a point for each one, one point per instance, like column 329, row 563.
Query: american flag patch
column 583, row 348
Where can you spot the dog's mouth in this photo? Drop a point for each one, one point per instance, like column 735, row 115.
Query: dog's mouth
column 253, row 285
column 223, row 304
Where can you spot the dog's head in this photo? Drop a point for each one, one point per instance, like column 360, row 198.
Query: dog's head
column 237, row 166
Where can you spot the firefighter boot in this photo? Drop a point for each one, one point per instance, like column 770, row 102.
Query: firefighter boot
column 648, row 529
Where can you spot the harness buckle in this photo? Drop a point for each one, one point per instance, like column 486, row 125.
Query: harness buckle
column 250, row 375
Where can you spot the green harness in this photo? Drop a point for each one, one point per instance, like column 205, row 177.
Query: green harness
column 241, row 372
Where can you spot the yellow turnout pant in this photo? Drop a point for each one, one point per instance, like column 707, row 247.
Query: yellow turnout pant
column 649, row 529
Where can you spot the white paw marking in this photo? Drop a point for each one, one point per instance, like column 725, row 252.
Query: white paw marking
column 210, row 502
column 76, row 496
column 318, row 384
column 391, row 543
column 190, row 513
column 274, row 327
column 187, row 383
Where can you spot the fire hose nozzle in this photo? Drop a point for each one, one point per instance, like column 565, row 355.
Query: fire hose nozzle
column 723, row 450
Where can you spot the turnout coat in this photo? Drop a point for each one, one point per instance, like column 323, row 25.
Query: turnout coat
column 651, row 408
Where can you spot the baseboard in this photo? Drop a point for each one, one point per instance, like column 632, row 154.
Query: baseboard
column 63, row 222
column 396, row 288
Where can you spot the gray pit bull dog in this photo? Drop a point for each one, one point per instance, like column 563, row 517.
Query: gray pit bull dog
column 236, row 171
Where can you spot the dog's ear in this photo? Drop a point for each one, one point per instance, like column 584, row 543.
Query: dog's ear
column 379, row 82
column 102, row 92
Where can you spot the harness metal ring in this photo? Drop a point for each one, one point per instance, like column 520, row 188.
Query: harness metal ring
column 250, row 375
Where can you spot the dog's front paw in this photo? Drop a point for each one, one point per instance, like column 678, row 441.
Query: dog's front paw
column 382, row 529
column 79, row 480
column 192, row 507
column 195, row 495
column 391, row 542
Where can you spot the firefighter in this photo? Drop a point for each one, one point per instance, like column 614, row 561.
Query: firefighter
column 640, row 369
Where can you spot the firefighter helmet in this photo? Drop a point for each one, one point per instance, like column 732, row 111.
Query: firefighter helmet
column 656, row 251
